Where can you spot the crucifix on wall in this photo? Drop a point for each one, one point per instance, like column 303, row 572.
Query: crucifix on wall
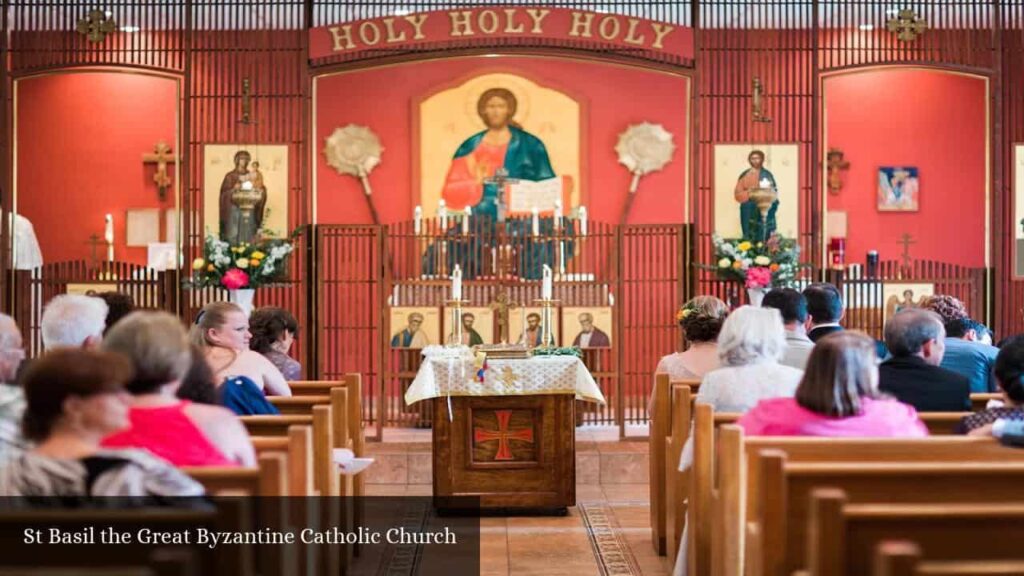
column 836, row 163
column 906, row 240
column 161, row 156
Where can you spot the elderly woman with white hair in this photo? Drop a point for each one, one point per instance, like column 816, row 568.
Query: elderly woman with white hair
column 750, row 345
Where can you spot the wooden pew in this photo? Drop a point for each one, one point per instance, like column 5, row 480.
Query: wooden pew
column 298, row 445
column 903, row 558
column 273, row 425
column 676, row 482
column 702, row 486
column 660, row 424
column 269, row 478
column 297, row 405
column 980, row 400
column 844, row 536
column 352, row 383
column 940, row 423
column 785, row 490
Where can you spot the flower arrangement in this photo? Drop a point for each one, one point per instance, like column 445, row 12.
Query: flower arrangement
column 245, row 265
column 774, row 262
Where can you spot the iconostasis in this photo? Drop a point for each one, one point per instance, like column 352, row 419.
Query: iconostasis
column 428, row 114
column 96, row 172
column 913, row 174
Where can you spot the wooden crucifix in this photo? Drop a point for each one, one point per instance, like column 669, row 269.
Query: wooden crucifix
column 502, row 307
column 161, row 156
column 95, row 241
column 835, row 164
column 906, row 240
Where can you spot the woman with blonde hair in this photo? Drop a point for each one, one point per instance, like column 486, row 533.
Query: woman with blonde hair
column 701, row 320
column 183, row 433
column 221, row 331
column 838, row 396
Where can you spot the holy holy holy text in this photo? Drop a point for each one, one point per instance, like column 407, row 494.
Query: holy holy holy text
column 213, row 539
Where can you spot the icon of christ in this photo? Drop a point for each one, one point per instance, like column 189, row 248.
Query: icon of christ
column 757, row 176
column 504, row 144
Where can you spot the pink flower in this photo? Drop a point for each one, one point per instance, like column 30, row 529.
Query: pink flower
column 759, row 277
column 234, row 279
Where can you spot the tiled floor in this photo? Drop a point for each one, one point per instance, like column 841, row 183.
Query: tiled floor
column 608, row 471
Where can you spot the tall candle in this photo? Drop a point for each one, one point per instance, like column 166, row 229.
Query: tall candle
column 457, row 283
column 442, row 211
column 417, row 220
column 535, row 214
column 108, row 235
column 394, row 296
column 583, row 220
column 546, row 288
column 558, row 213
column 465, row 220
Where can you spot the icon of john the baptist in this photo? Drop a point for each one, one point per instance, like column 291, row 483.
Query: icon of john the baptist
column 504, row 144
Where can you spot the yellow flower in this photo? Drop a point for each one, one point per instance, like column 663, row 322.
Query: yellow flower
column 760, row 244
column 744, row 246
column 198, row 264
column 210, row 268
column 242, row 263
column 724, row 263
column 258, row 255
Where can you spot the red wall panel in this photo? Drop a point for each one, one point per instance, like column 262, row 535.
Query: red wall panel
column 912, row 117
column 614, row 97
column 80, row 140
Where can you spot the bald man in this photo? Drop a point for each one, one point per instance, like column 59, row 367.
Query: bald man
column 12, row 400
column 916, row 341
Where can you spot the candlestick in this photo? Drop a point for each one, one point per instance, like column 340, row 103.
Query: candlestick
column 583, row 220
column 558, row 214
column 442, row 211
column 417, row 220
column 457, row 283
column 108, row 235
column 465, row 221
column 535, row 214
column 547, row 335
column 394, row 296
column 546, row 288
column 455, row 305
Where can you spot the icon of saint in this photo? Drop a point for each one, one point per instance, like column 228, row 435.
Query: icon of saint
column 754, row 178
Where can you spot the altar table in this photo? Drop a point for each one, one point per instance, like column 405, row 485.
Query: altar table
column 509, row 439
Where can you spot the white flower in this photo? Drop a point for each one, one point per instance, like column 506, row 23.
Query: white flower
column 724, row 263
column 268, row 269
column 762, row 260
column 746, row 263
column 242, row 263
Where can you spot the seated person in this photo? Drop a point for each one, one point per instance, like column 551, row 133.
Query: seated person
column 793, row 307
column 838, row 396
column 118, row 306
column 183, row 433
column 702, row 319
column 12, row 398
column 947, row 307
column 1009, row 374
column 273, row 333
column 73, row 321
column 198, row 385
column 969, row 351
column 74, row 399
column 916, row 341
column 222, row 332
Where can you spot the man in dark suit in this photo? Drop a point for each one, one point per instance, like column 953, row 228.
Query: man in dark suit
column 824, row 310
column 915, row 339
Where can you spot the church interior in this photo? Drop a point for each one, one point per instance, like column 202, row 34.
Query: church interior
column 606, row 287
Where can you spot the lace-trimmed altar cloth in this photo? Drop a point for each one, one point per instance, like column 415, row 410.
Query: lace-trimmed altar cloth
column 443, row 375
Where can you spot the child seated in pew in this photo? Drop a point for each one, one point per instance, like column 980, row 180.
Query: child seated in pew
column 1009, row 375
column 74, row 398
column 183, row 433
column 838, row 396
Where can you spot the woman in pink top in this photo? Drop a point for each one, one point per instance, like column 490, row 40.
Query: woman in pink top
column 838, row 396
column 183, row 433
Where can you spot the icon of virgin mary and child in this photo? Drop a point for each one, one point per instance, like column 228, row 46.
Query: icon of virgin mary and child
column 482, row 164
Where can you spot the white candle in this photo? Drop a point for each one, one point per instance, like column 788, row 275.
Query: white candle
column 583, row 220
column 457, row 283
column 417, row 220
column 108, row 235
column 558, row 213
column 465, row 221
column 546, row 288
column 442, row 211
column 536, row 220
column 394, row 296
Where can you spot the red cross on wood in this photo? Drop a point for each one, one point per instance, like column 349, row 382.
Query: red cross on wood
column 503, row 435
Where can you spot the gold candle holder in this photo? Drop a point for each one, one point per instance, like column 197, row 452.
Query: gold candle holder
column 547, row 337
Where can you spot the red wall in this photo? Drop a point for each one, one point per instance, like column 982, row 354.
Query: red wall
column 614, row 97
column 80, row 143
column 932, row 120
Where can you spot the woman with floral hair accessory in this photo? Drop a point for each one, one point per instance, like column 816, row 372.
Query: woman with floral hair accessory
column 701, row 320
